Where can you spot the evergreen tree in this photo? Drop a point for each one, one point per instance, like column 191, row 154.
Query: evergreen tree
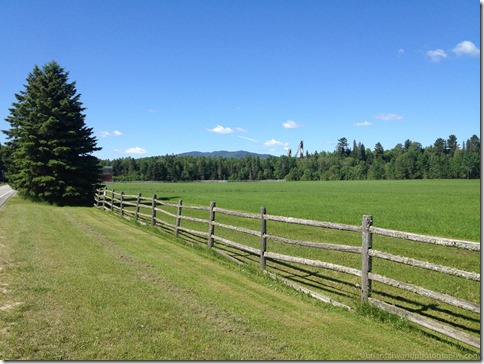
column 452, row 144
column 342, row 147
column 379, row 151
column 49, row 146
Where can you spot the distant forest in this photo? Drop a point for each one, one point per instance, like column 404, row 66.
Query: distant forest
column 444, row 159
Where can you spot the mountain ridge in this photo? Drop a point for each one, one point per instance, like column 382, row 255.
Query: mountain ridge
column 225, row 154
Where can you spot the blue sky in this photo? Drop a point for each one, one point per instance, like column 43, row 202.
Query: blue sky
column 164, row 77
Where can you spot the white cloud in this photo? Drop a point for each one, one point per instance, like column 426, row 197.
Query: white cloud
column 249, row 139
column 466, row 48
column 152, row 110
column 401, row 52
column 135, row 150
column 219, row 129
column 363, row 123
column 240, row 130
column 105, row 134
column 289, row 124
column 275, row 143
column 387, row 117
column 436, row 55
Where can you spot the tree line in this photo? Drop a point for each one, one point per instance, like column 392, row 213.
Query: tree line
column 444, row 159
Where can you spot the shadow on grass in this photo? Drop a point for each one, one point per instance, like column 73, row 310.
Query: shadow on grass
column 315, row 279
column 426, row 310
column 325, row 283
column 169, row 198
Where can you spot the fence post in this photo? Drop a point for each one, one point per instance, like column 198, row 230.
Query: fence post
column 153, row 211
column 211, row 226
column 137, row 206
column 178, row 217
column 366, row 259
column 263, row 239
column 121, row 203
column 104, row 198
column 112, row 200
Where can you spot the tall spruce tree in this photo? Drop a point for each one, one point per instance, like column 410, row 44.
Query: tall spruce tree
column 48, row 153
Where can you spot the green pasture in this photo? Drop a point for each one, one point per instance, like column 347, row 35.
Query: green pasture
column 447, row 208
column 83, row 284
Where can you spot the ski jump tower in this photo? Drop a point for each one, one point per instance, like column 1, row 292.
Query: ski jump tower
column 300, row 150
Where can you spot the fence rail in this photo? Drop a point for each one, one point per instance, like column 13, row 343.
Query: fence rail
column 462, row 244
column 123, row 204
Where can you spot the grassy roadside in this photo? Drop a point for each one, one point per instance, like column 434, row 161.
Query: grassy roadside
column 80, row 284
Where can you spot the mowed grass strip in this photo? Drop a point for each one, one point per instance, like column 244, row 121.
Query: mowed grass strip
column 82, row 284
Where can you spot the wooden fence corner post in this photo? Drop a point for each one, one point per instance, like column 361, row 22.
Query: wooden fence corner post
column 178, row 216
column 211, row 226
column 366, row 259
column 153, row 211
column 104, row 198
column 263, row 239
column 137, row 206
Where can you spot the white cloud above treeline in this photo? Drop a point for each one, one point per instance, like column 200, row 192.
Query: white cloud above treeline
column 135, row 150
column 219, row 129
column 464, row 48
column 436, row 55
column 290, row 124
column 105, row 134
column 388, row 117
column 276, row 143
column 364, row 123
column 384, row 117
column 248, row 139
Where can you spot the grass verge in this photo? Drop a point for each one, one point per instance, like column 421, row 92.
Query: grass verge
column 81, row 284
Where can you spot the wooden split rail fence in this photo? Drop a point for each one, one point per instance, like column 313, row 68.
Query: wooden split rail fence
column 147, row 210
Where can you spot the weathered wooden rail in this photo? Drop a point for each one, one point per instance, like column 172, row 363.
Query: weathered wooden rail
column 147, row 211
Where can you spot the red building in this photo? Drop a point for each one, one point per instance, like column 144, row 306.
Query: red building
column 107, row 174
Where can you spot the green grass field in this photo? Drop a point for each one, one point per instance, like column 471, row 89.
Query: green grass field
column 447, row 208
column 434, row 207
column 83, row 284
